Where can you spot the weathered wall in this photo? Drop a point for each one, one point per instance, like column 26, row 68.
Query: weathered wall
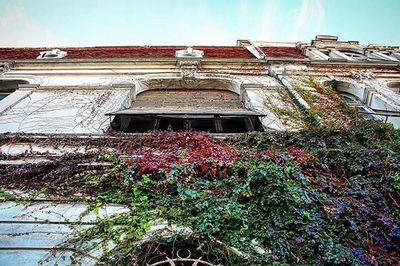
column 64, row 111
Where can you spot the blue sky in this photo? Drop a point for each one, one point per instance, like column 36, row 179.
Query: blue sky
column 194, row 22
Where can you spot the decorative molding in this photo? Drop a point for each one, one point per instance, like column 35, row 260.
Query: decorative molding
column 6, row 67
column 362, row 75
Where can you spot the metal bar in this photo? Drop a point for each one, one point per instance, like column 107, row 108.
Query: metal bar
column 189, row 114
column 384, row 111
column 378, row 114
column 48, row 222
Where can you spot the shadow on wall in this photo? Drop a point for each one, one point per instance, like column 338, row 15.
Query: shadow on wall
column 394, row 86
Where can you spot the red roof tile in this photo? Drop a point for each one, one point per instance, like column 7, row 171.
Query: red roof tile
column 290, row 52
column 147, row 52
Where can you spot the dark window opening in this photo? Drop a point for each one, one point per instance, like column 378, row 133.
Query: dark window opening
column 139, row 124
column 126, row 124
column 3, row 95
column 236, row 125
column 233, row 125
column 9, row 86
column 204, row 125
column 171, row 124
column 349, row 100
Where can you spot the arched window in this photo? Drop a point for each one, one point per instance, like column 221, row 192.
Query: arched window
column 365, row 101
column 204, row 109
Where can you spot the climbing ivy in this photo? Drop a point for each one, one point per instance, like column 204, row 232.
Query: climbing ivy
column 310, row 197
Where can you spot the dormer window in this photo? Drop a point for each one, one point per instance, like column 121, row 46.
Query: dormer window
column 189, row 52
column 355, row 56
column 346, row 55
column 380, row 55
column 53, row 54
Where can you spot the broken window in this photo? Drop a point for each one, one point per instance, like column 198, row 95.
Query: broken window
column 210, row 110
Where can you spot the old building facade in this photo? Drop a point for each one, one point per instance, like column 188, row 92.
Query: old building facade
column 97, row 92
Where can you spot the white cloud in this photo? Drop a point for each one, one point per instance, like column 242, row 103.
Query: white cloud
column 18, row 30
column 269, row 21
column 309, row 19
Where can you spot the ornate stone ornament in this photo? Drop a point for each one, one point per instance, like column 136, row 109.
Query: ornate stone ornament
column 52, row 54
column 188, row 62
column 5, row 67
column 188, row 68
column 189, row 53
column 362, row 75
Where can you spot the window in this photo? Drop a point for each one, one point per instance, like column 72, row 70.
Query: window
column 361, row 108
column 369, row 113
column 3, row 95
column 9, row 86
column 210, row 110
column 215, row 124
column 349, row 100
column 355, row 56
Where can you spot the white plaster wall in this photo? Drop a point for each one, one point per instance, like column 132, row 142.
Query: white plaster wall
column 12, row 99
column 351, row 88
column 264, row 79
column 391, row 97
column 64, row 111
column 255, row 99
column 378, row 102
